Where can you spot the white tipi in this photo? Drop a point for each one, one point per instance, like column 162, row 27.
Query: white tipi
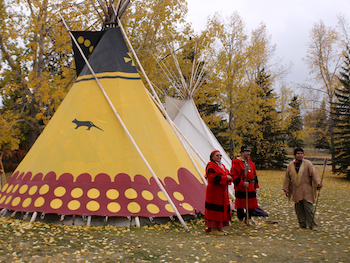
column 184, row 112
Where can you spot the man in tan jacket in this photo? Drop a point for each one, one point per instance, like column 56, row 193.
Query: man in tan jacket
column 301, row 182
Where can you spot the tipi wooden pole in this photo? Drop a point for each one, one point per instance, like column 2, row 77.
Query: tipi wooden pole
column 32, row 219
column 178, row 130
column 128, row 133
column 194, row 150
column 137, row 221
column 157, row 98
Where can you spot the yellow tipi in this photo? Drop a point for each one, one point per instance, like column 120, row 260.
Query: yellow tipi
column 85, row 164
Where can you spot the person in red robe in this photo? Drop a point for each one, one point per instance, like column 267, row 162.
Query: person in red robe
column 217, row 204
column 244, row 178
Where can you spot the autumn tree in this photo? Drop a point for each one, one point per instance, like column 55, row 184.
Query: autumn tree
column 267, row 139
column 230, row 67
column 243, row 58
column 323, row 60
column 36, row 53
column 156, row 28
column 317, row 125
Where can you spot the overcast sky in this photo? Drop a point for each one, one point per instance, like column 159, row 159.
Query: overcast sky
column 287, row 21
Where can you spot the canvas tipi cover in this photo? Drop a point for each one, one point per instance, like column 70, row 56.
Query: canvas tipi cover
column 186, row 117
column 84, row 164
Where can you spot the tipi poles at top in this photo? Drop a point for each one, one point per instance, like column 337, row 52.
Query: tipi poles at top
column 193, row 74
column 157, row 98
column 170, row 76
column 184, row 88
column 127, row 131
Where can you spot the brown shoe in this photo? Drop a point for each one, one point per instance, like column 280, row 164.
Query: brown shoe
column 216, row 232
column 242, row 223
column 223, row 231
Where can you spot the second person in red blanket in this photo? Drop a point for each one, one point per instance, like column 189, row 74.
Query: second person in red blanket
column 246, row 182
column 217, row 202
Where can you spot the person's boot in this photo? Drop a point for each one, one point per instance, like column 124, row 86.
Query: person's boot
column 216, row 232
column 223, row 231
column 242, row 223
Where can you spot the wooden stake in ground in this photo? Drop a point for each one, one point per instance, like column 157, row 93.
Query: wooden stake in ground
column 318, row 194
column 246, row 196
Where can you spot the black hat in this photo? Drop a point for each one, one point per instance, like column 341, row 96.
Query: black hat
column 245, row 148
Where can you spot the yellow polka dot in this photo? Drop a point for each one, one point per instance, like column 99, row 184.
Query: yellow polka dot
column 60, row 191
column 8, row 199
column 56, row 203
column 76, row 193
column 147, row 195
column 23, row 189
column 27, row 202
column 16, row 201
column 4, row 188
column 15, row 188
column 33, row 190
column 9, row 188
column 113, row 207
column 153, row 209
column 40, row 201
column 44, row 189
column 91, row 48
column 2, row 199
column 74, row 205
column 130, row 193
column 161, row 195
column 134, row 207
column 93, row 193
column 93, row 206
column 169, row 208
column 187, row 206
column 178, row 196
column 87, row 43
column 80, row 40
column 112, row 194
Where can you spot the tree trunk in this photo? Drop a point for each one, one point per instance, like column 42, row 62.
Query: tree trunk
column 2, row 173
column 34, row 127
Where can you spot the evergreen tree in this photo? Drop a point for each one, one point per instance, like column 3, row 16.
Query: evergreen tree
column 322, row 134
column 296, row 124
column 267, row 152
column 341, row 120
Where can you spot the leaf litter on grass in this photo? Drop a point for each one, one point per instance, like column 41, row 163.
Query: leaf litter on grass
column 22, row 241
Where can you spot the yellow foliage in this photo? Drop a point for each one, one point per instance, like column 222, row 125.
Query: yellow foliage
column 9, row 133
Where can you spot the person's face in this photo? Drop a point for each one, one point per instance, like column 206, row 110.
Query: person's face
column 245, row 154
column 217, row 157
column 299, row 156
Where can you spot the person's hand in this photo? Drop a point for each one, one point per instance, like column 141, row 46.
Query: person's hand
column 229, row 178
column 287, row 194
column 246, row 184
column 319, row 186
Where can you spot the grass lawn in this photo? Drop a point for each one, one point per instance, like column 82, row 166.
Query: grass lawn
column 21, row 241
